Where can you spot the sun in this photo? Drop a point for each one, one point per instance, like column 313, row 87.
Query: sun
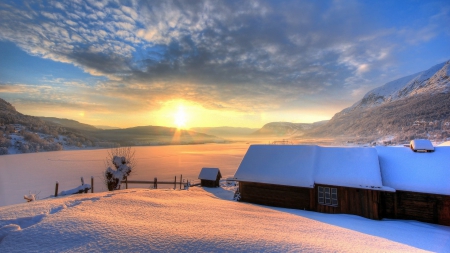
column 180, row 118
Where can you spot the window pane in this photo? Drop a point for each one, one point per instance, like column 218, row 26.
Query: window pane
column 321, row 201
column 320, row 195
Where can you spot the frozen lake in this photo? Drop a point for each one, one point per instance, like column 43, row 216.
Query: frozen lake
column 38, row 172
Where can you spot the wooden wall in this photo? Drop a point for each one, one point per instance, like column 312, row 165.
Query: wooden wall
column 275, row 195
column 370, row 204
column 432, row 208
column 360, row 202
column 209, row 183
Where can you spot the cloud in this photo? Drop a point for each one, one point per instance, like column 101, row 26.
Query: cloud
column 237, row 55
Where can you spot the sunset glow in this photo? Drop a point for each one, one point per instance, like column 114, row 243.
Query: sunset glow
column 246, row 64
column 180, row 118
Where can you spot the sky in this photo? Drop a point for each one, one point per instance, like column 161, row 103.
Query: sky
column 210, row 63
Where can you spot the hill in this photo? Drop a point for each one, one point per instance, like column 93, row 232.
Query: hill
column 69, row 123
column 21, row 133
column 287, row 129
column 154, row 135
column 225, row 131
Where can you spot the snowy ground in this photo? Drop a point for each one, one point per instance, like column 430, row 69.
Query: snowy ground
column 198, row 220
column 138, row 220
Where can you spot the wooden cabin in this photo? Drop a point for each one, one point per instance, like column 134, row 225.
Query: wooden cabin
column 376, row 183
column 422, row 183
column 210, row 177
column 328, row 180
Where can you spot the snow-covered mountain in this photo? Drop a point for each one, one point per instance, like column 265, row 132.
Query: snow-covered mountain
column 415, row 106
column 432, row 81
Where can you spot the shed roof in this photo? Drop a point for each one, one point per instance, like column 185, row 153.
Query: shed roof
column 403, row 169
column 290, row 165
column 355, row 167
column 209, row 174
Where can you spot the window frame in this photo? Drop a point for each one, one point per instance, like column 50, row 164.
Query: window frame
column 327, row 196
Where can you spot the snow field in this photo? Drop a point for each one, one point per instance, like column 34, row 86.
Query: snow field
column 140, row 220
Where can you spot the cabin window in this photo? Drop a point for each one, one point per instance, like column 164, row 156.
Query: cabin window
column 328, row 196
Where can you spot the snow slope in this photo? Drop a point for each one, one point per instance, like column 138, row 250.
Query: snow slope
column 435, row 79
column 199, row 220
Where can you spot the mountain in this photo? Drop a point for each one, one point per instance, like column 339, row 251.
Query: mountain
column 415, row 106
column 286, row 128
column 225, row 131
column 432, row 81
column 70, row 123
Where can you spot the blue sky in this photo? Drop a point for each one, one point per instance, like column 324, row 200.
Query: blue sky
column 236, row 63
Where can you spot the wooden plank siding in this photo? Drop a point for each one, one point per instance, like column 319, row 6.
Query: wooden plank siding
column 362, row 202
column 211, row 183
column 432, row 208
column 276, row 195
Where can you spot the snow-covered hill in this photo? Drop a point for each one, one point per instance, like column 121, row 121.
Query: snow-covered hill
column 431, row 81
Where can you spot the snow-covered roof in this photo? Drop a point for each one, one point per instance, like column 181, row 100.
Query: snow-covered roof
column 355, row 167
column 209, row 173
column 290, row 165
column 304, row 166
column 403, row 169
column 421, row 144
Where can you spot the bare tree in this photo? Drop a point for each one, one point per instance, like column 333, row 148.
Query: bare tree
column 119, row 162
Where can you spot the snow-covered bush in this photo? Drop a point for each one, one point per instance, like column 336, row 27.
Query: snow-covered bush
column 120, row 163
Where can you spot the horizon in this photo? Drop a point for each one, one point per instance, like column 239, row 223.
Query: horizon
column 210, row 64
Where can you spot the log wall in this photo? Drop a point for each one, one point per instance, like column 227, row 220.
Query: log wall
column 432, row 208
column 360, row 202
column 275, row 195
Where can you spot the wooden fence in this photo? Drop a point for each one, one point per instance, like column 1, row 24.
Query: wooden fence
column 155, row 182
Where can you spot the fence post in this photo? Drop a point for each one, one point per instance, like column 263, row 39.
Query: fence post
column 181, row 180
column 175, row 183
column 92, row 184
column 82, row 181
column 155, row 184
column 126, row 182
column 56, row 189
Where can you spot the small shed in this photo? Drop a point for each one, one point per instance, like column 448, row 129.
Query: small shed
column 210, row 177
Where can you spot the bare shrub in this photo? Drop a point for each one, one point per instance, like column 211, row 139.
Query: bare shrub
column 119, row 162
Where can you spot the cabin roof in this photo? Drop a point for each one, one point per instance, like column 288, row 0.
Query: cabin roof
column 348, row 166
column 209, row 174
column 290, row 165
column 403, row 169
column 305, row 166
